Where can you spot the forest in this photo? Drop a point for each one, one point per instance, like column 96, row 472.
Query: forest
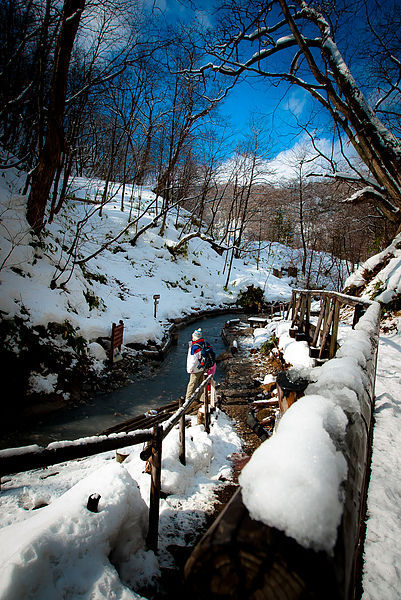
column 134, row 92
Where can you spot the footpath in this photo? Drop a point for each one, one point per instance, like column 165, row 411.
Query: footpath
column 382, row 550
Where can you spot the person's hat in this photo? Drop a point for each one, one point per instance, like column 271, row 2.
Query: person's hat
column 197, row 334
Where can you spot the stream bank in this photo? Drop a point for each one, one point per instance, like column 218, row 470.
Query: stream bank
column 130, row 387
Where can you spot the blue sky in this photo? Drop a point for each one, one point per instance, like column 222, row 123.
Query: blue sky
column 276, row 108
column 252, row 97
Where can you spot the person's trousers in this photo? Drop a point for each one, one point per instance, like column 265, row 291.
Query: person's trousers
column 195, row 379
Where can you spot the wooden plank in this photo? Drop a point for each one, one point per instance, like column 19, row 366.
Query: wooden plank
column 240, row 558
column 319, row 322
column 327, row 327
column 292, row 305
column 206, row 408
column 334, row 333
column 295, row 316
column 307, row 315
column 302, row 311
column 116, row 341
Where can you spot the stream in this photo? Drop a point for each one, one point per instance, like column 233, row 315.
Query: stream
column 168, row 382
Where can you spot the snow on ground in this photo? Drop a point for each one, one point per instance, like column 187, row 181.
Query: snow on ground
column 51, row 546
column 382, row 573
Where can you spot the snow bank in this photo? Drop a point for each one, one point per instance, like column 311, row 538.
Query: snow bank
column 63, row 549
column 292, row 480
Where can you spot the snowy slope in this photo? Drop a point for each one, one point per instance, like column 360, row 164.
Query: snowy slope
column 379, row 277
column 47, row 298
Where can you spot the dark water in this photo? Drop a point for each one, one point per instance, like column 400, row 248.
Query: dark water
column 167, row 384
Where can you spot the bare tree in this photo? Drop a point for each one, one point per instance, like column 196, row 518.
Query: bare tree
column 317, row 65
column 49, row 155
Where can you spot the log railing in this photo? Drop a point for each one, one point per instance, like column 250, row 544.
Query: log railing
column 240, row 557
column 18, row 460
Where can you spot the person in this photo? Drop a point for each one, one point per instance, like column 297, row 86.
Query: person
column 194, row 367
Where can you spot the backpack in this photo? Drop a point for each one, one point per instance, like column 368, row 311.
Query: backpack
column 208, row 357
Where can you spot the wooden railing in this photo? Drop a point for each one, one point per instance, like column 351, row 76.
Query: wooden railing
column 17, row 460
column 322, row 336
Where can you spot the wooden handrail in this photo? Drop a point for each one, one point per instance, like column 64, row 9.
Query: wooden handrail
column 17, row 460
column 352, row 300
column 185, row 408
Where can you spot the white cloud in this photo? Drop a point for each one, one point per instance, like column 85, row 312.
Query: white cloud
column 284, row 167
column 296, row 102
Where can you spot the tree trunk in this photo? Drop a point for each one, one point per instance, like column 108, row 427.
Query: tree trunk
column 49, row 155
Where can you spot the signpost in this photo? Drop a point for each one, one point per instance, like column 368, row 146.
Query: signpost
column 156, row 298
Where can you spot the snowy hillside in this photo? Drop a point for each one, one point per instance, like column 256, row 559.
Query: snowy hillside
column 61, row 306
column 379, row 278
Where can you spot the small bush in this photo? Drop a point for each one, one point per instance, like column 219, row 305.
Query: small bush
column 268, row 345
column 252, row 299
column 378, row 288
column 93, row 300
column 89, row 276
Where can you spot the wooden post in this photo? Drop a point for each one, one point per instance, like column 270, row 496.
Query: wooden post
column 326, row 316
column 307, row 314
column 358, row 312
column 182, row 436
column 302, row 310
column 293, row 305
column 319, row 321
column 333, row 341
column 155, row 484
column 156, row 298
column 93, row 502
column 327, row 326
column 212, row 394
column 206, row 408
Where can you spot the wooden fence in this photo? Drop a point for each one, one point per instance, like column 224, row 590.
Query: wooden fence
column 17, row 460
column 322, row 335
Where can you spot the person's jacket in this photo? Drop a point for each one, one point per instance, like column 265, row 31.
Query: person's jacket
column 194, row 356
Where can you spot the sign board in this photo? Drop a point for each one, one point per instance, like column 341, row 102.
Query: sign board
column 117, row 332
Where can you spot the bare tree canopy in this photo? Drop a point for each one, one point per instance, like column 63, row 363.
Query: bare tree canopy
column 296, row 43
